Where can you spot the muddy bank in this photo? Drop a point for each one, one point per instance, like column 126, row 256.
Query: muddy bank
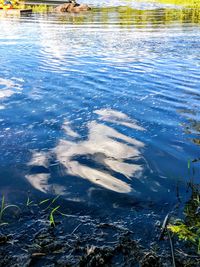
column 31, row 239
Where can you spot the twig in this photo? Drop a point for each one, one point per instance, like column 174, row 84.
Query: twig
column 172, row 249
column 187, row 255
column 68, row 215
column 177, row 193
column 76, row 228
column 164, row 226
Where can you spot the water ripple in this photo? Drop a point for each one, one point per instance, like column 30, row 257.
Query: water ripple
column 73, row 86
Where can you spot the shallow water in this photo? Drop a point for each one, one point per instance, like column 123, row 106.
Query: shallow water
column 101, row 108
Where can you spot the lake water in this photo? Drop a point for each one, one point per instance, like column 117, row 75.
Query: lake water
column 101, row 108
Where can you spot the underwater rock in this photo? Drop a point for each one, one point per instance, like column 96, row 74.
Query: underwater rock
column 150, row 259
column 72, row 7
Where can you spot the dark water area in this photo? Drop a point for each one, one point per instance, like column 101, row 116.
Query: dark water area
column 101, row 108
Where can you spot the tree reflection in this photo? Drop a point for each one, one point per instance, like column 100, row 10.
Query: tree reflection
column 192, row 126
column 129, row 17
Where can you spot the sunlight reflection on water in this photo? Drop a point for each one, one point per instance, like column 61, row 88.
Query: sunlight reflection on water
column 90, row 101
column 8, row 88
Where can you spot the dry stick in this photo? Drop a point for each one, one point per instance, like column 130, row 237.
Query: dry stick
column 164, row 226
column 76, row 229
column 68, row 215
column 172, row 248
column 163, row 230
column 177, row 193
column 187, row 255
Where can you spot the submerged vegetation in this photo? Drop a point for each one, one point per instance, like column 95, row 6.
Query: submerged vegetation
column 45, row 241
column 47, row 218
column 50, row 208
column 188, row 229
column 4, row 208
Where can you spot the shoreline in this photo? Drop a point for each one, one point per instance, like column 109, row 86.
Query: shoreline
column 32, row 238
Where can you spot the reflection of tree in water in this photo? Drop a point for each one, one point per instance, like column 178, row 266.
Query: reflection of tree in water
column 127, row 16
column 106, row 157
column 192, row 127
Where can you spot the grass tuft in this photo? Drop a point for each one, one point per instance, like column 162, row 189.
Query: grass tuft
column 5, row 207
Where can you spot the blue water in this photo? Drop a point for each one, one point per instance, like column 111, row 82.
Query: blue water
column 97, row 111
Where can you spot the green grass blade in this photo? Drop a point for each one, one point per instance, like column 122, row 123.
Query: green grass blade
column 44, row 201
column 2, row 207
column 55, row 199
column 29, row 202
column 189, row 164
column 51, row 217
column 11, row 206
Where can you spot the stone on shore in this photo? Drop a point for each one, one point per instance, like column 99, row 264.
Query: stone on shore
column 72, row 8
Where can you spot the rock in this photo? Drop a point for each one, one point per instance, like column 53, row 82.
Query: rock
column 149, row 260
column 157, row 223
column 72, row 7
column 3, row 239
column 38, row 254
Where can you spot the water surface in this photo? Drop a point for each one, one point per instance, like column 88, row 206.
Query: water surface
column 101, row 108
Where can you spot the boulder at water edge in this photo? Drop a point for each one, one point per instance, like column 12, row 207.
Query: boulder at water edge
column 72, row 7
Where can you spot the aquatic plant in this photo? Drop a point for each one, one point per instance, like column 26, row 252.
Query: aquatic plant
column 51, row 217
column 29, row 202
column 5, row 207
column 51, row 201
column 188, row 229
column 50, row 208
